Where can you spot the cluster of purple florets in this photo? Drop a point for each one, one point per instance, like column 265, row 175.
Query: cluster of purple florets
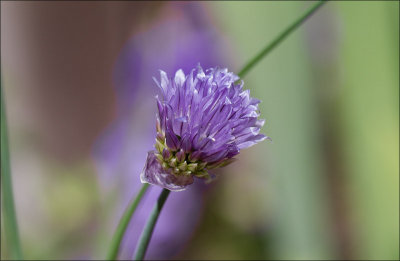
column 204, row 119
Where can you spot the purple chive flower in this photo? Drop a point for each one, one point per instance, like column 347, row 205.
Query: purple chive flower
column 204, row 119
column 121, row 150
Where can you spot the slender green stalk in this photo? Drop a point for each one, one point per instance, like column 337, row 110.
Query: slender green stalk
column 10, row 219
column 279, row 38
column 123, row 224
column 151, row 222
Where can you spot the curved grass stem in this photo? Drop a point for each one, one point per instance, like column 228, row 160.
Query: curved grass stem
column 7, row 196
column 267, row 49
column 124, row 222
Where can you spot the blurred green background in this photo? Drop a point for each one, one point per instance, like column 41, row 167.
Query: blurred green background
column 326, row 187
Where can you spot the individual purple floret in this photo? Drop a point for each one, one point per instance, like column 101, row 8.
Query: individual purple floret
column 204, row 119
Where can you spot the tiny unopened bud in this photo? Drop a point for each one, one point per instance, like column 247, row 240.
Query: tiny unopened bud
column 160, row 137
column 166, row 154
column 159, row 157
column 159, row 146
column 158, row 125
column 192, row 166
column 201, row 165
column 183, row 166
column 180, row 155
column 165, row 165
column 172, row 162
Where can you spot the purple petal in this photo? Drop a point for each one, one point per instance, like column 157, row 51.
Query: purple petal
column 186, row 143
column 164, row 81
column 154, row 174
column 216, row 156
column 251, row 141
column 195, row 155
column 172, row 140
column 179, row 77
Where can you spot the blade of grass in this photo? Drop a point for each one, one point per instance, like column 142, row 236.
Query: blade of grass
column 145, row 237
column 279, row 39
column 9, row 215
column 123, row 224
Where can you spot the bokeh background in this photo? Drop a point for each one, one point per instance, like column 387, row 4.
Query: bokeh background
column 80, row 105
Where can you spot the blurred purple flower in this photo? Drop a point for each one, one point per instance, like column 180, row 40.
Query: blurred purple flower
column 176, row 42
column 204, row 119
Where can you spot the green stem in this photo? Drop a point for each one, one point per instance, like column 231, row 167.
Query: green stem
column 10, row 220
column 151, row 222
column 279, row 39
column 123, row 224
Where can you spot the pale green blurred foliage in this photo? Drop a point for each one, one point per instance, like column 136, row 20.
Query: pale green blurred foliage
column 368, row 106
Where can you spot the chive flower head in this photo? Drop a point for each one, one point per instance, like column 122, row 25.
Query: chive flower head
column 204, row 119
